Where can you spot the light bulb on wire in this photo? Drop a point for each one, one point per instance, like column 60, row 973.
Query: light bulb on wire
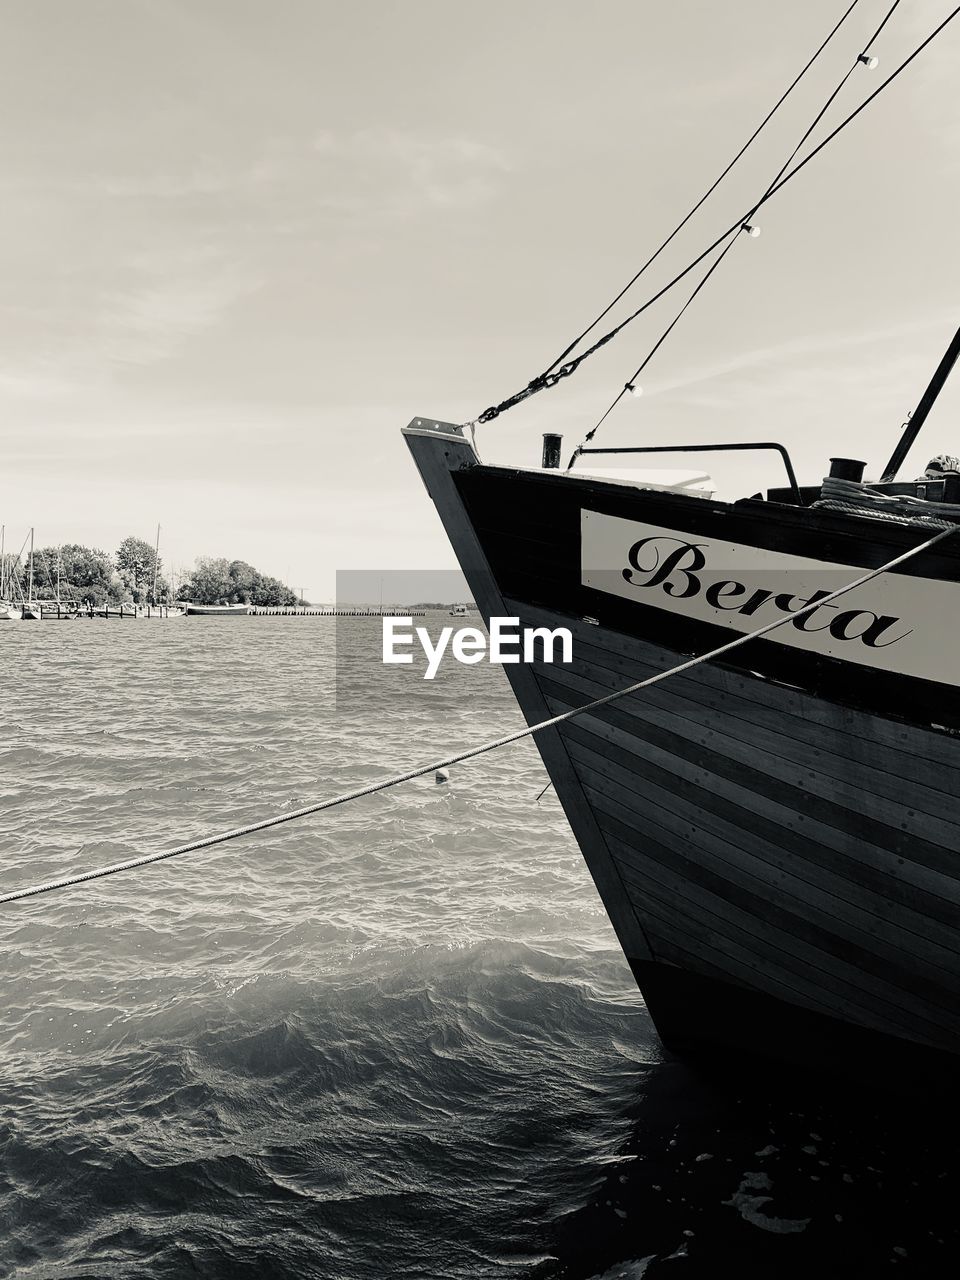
column 634, row 388
column 869, row 60
column 751, row 229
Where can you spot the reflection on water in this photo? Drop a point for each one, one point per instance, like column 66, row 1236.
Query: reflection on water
column 761, row 1173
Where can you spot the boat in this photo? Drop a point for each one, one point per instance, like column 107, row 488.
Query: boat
column 8, row 610
column 30, row 609
column 112, row 611
column 774, row 831
column 774, row 836
column 152, row 609
column 163, row 611
column 218, row 610
column 62, row 610
column 458, row 611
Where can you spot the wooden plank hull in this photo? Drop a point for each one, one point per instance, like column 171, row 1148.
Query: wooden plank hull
column 783, row 830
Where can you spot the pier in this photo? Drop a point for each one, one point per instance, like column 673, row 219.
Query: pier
column 320, row 611
column 63, row 611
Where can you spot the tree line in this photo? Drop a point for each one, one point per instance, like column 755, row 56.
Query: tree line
column 220, row 581
column 135, row 575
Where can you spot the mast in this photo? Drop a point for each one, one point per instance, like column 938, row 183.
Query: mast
column 3, row 559
column 913, row 425
column 30, row 577
column 156, row 563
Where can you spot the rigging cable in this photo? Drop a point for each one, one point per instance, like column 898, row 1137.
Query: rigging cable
column 862, row 59
column 372, row 788
column 544, row 381
column 706, row 195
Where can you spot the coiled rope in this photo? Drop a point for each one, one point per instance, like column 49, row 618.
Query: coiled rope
column 205, row 842
column 852, row 497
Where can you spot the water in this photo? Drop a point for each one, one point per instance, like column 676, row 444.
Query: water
column 397, row 1039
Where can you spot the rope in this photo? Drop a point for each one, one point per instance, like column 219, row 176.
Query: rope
column 890, row 517
column 706, row 195
column 205, row 842
column 543, row 381
column 855, row 498
column 858, row 61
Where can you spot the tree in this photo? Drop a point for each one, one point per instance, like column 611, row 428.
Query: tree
column 272, row 592
column 136, row 563
column 85, row 573
column 88, row 573
column 210, row 582
column 245, row 580
column 219, row 581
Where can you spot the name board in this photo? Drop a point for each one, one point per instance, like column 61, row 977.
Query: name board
column 895, row 622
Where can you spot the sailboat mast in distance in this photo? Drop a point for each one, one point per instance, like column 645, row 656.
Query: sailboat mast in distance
column 156, row 563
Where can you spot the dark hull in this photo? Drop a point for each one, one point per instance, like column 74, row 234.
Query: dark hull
column 724, row 1029
column 776, row 838
column 217, row 611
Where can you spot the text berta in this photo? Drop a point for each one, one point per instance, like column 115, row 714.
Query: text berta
column 507, row 643
column 676, row 573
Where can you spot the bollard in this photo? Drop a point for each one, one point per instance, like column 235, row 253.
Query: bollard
column 551, row 450
column 847, row 469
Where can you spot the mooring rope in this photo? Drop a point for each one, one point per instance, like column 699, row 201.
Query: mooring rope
column 372, row 788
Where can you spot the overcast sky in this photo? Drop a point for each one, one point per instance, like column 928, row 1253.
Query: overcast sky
column 246, row 241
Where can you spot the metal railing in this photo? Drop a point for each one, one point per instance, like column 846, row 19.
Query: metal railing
column 712, row 448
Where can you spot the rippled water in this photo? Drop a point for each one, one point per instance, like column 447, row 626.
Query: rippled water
column 396, row 1039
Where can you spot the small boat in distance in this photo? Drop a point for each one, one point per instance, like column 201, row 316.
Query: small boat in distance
column 458, row 611
column 218, row 610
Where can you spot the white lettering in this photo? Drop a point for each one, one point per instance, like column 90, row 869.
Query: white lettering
column 433, row 654
column 469, row 646
column 547, row 639
column 498, row 640
column 390, row 639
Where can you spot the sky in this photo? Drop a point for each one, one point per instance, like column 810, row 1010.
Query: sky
column 246, row 241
